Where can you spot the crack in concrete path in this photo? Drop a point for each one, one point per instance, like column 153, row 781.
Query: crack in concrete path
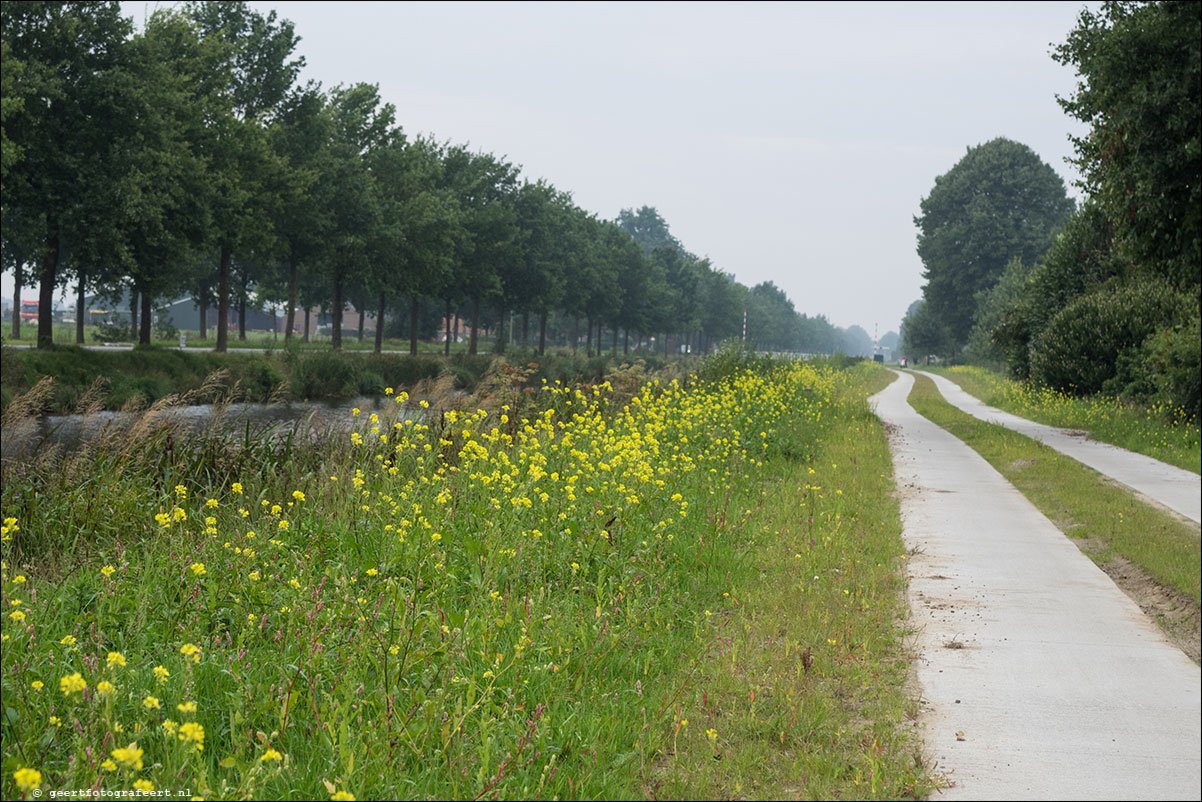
column 1040, row 679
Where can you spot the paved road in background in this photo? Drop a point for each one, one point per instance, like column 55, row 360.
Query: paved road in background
column 1175, row 488
column 1040, row 679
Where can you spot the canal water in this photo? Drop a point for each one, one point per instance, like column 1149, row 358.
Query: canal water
column 25, row 439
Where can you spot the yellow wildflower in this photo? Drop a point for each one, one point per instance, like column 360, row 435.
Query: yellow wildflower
column 193, row 733
column 191, row 650
column 129, row 757
column 27, row 779
column 271, row 754
column 104, row 687
column 161, row 674
column 145, row 786
column 116, row 659
column 72, row 683
column 150, row 703
column 107, row 571
column 186, row 707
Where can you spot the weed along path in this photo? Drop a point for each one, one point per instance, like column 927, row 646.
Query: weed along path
column 1040, row 679
column 1177, row 489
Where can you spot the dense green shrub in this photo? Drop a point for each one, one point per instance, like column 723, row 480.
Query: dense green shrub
column 1079, row 259
column 324, row 374
column 1174, row 359
column 1081, row 349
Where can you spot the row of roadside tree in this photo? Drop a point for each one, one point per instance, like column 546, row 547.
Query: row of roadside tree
column 187, row 158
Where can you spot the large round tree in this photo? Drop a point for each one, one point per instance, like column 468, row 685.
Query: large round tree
column 999, row 202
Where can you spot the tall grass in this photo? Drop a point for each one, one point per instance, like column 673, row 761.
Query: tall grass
column 502, row 599
column 150, row 374
column 1166, row 433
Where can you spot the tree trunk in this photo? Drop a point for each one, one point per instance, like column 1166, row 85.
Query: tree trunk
column 471, row 340
column 79, row 310
column 575, row 332
column 447, row 344
column 379, row 343
column 413, row 314
column 380, row 326
column 502, row 334
column 588, row 338
column 144, row 327
column 542, row 333
column 625, row 342
column 290, row 320
column 223, row 301
column 525, row 329
column 242, row 314
column 456, row 327
column 203, row 303
column 305, row 336
column 336, row 314
column 133, row 313
column 46, row 293
column 615, row 348
column 18, row 276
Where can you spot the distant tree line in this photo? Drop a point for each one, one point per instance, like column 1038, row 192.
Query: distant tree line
column 1100, row 298
column 187, row 159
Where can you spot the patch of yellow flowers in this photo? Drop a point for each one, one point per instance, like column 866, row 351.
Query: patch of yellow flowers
column 558, row 488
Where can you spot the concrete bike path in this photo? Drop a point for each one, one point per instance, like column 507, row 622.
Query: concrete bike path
column 1177, row 489
column 1040, row 679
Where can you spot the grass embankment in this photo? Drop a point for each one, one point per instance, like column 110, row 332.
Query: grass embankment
column 1105, row 519
column 150, row 374
column 528, row 600
column 1158, row 431
column 801, row 695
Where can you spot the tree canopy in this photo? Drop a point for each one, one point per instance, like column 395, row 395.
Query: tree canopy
column 1113, row 306
column 999, row 202
column 1139, row 67
column 186, row 159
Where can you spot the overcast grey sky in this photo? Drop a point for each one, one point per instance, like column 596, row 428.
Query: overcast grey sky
column 788, row 142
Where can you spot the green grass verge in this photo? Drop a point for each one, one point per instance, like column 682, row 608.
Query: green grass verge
column 1084, row 504
column 803, row 694
column 1157, row 431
